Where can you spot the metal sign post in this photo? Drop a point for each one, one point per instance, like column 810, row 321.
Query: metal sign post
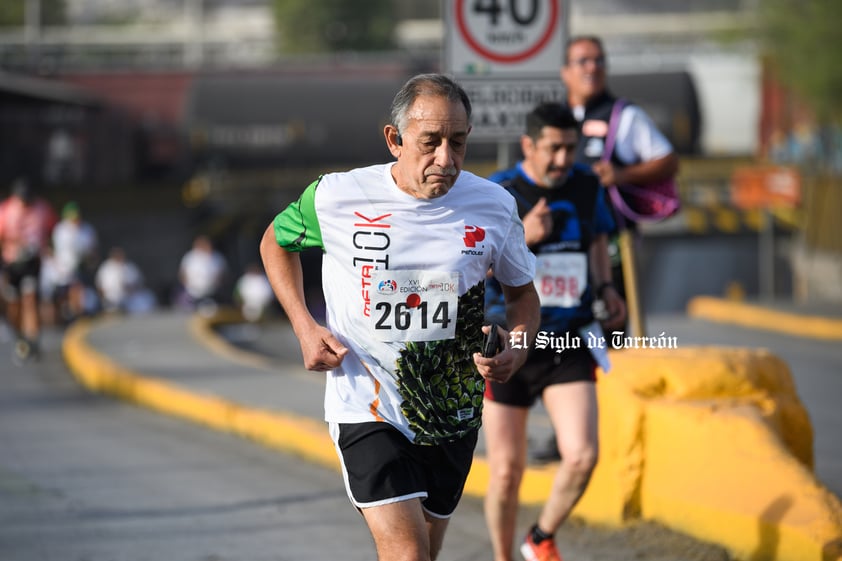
column 628, row 261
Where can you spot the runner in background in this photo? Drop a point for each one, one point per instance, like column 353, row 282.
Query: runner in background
column 76, row 256
column 26, row 222
column 566, row 222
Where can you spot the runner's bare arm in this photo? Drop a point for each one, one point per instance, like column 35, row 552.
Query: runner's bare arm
column 320, row 349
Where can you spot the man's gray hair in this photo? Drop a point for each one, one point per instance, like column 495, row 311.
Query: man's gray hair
column 426, row 84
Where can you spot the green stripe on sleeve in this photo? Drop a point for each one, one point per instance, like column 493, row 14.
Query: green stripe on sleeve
column 297, row 226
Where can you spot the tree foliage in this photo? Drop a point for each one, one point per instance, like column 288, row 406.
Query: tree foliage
column 13, row 12
column 318, row 26
column 803, row 40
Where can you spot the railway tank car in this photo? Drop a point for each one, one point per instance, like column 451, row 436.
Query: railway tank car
column 288, row 120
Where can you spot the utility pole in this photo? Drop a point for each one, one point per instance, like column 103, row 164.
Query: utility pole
column 194, row 26
column 32, row 31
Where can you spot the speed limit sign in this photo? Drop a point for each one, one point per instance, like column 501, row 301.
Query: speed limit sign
column 507, row 54
column 504, row 38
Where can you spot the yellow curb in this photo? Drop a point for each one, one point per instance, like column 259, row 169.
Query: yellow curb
column 748, row 491
column 202, row 329
column 758, row 317
column 299, row 435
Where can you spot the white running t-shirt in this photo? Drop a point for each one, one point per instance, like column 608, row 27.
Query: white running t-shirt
column 404, row 282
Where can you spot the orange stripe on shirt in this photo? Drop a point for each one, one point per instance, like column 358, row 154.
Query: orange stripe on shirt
column 376, row 403
column 372, row 407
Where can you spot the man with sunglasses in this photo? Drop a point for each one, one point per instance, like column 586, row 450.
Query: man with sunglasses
column 641, row 154
column 566, row 223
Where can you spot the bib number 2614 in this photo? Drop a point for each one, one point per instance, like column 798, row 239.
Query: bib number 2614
column 414, row 305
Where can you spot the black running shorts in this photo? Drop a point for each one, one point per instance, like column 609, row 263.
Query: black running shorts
column 22, row 277
column 543, row 368
column 381, row 466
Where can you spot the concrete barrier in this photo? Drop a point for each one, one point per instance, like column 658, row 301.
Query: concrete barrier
column 715, row 443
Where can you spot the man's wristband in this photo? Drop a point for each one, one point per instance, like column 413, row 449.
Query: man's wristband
column 601, row 288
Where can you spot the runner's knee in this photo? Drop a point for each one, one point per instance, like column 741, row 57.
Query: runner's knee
column 507, row 475
column 581, row 459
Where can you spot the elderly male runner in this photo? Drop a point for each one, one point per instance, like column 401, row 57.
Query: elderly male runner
column 406, row 248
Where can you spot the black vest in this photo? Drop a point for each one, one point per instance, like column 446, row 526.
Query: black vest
column 573, row 206
column 594, row 128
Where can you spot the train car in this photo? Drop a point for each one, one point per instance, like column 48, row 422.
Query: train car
column 276, row 119
column 318, row 117
column 670, row 99
column 287, row 120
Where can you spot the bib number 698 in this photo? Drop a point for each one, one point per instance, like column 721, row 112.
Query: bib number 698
column 560, row 287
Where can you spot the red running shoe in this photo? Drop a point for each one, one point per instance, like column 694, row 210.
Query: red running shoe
column 544, row 551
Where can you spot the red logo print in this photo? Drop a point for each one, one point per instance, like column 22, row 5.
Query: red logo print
column 473, row 234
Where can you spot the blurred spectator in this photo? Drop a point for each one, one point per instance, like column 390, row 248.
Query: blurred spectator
column 641, row 154
column 75, row 245
column 63, row 161
column 253, row 293
column 48, row 286
column 26, row 222
column 201, row 273
column 121, row 285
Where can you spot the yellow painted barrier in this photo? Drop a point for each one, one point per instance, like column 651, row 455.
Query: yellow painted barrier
column 713, row 442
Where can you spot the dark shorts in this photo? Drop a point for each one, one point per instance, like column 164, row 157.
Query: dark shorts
column 381, row 466
column 22, row 276
column 543, row 368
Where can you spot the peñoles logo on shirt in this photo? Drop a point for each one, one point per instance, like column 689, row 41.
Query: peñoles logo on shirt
column 473, row 235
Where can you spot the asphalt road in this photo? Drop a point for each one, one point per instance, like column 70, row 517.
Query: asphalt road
column 88, row 478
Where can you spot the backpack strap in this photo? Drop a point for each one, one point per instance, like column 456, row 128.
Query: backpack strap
column 613, row 125
column 666, row 203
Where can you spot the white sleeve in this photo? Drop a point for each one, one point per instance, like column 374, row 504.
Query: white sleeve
column 638, row 139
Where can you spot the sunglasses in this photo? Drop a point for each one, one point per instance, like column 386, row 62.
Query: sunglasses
column 599, row 61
